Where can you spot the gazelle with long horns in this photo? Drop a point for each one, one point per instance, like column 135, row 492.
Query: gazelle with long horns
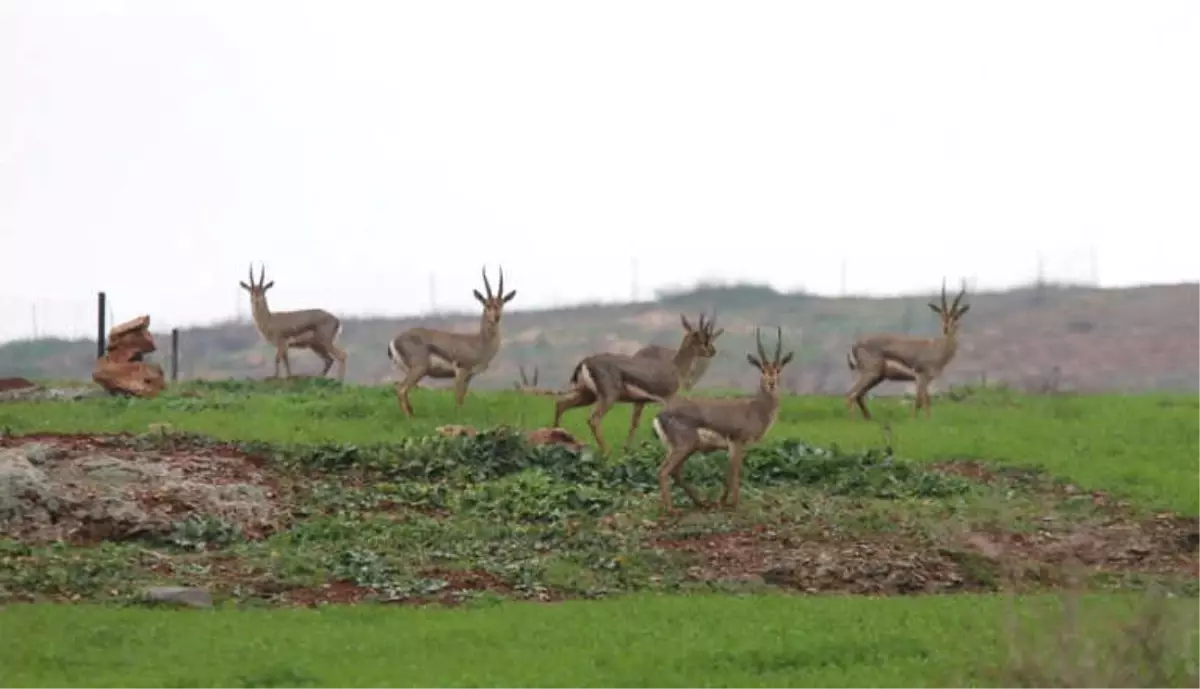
column 607, row 379
column 314, row 329
column 442, row 354
column 699, row 364
column 690, row 425
column 896, row 357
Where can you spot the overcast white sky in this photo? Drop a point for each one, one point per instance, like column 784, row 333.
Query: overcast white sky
column 153, row 148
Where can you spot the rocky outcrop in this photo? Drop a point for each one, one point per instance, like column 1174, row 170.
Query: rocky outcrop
column 121, row 370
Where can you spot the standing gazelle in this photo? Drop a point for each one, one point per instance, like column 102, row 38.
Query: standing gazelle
column 891, row 356
column 699, row 364
column 314, row 329
column 690, row 425
column 443, row 354
column 607, row 379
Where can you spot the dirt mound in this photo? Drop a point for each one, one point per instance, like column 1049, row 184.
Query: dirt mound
column 85, row 490
column 14, row 384
column 877, row 566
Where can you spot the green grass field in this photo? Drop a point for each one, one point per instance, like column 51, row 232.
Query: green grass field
column 485, row 561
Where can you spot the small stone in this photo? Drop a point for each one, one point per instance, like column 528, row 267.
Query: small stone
column 178, row 595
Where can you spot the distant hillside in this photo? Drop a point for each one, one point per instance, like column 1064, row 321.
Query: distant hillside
column 1066, row 338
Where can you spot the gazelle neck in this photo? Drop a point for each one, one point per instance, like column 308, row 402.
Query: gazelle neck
column 489, row 334
column 261, row 313
column 947, row 348
column 767, row 404
column 684, row 356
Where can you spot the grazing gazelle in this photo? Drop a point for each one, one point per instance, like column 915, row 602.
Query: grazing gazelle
column 891, row 356
column 607, row 379
column 690, row 425
column 529, row 386
column 442, row 354
column 699, row 364
column 314, row 329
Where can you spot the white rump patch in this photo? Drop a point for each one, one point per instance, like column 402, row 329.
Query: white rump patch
column 585, row 378
column 660, row 432
column 394, row 355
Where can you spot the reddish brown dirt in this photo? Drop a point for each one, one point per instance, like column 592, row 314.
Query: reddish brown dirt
column 879, row 566
column 15, row 384
column 1115, row 541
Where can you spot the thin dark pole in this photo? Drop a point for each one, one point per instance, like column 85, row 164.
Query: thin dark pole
column 174, row 354
column 100, row 333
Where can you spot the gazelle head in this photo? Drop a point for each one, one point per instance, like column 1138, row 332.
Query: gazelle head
column 951, row 313
column 772, row 369
column 526, row 383
column 258, row 290
column 493, row 304
column 701, row 338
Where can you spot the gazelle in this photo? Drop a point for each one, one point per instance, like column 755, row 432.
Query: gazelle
column 891, row 356
column 606, row 379
column 529, row 386
column 442, row 354
column 691, row 425
column 699, row 364
column 314, row 329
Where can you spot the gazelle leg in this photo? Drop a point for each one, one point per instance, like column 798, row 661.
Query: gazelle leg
column 340, row 355
column 462, row 378
column 281, row 353
column 575, row 398
column 412, row 377
column 323, row 352
column 596, row 418
column 667, row 470
column 733, row 476
column 677, row 474
column 864, row 384
column 922, row 396
column 633, row 423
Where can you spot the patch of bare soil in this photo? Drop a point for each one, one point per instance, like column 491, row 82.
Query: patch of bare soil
column 15, row 384
column 1112, row 540
column 879, row 565
column 84, row 489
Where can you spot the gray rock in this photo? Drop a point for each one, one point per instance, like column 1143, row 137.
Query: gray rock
column 178, row 595
column 41, row 453
column 25, row 490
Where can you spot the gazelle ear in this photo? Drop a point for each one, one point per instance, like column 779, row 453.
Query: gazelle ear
column 961, row 311
column 786, row 359
column 479, row 297
column 716, row 334
column 935, row 308
column 268, row 286
column 508, row 297
column 754, row 361
column 245, row 286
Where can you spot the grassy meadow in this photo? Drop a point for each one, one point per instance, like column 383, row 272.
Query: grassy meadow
column 1009, row 539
